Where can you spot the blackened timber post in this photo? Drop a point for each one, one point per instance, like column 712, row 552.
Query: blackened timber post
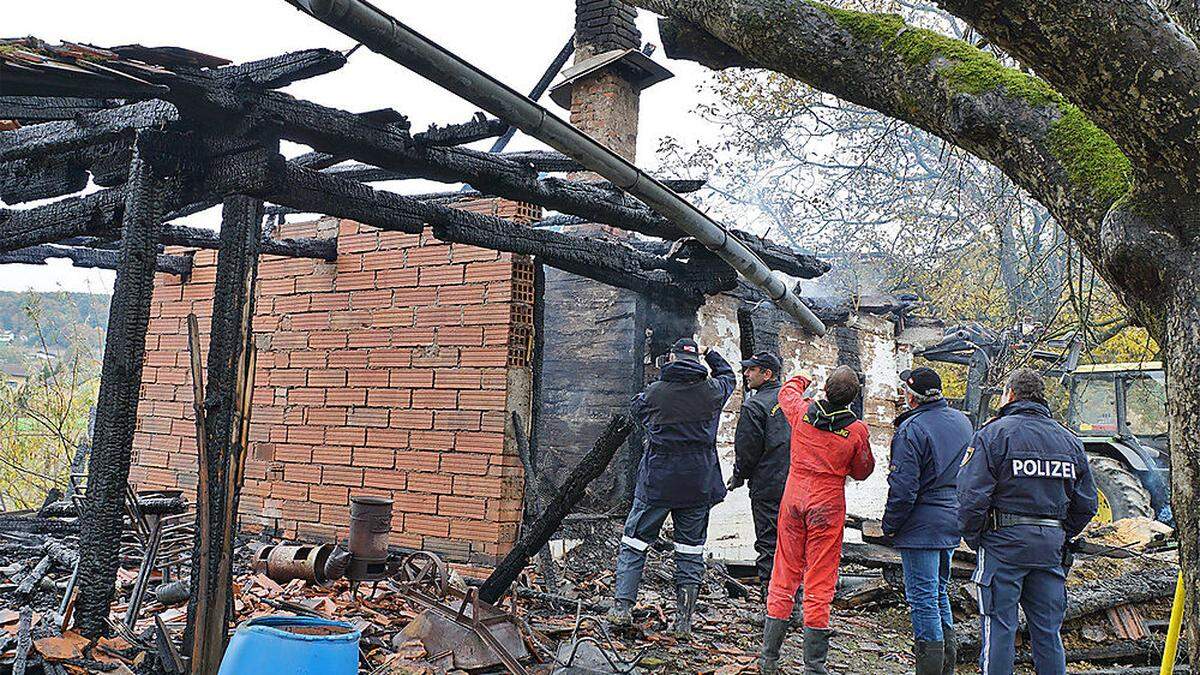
column 120, row 382
column 226, row 406
column 567, row 496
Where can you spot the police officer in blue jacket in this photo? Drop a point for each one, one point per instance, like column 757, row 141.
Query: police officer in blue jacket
column 921, row 516
column 679, row 474
column 1025, row 491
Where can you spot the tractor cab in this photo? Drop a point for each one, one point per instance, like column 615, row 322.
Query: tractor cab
column 1119, row 411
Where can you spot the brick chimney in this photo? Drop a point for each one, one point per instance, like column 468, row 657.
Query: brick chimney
column 604, row 104
column 593, row 337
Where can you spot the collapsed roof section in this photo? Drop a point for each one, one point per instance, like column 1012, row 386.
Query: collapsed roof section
column 105, row 96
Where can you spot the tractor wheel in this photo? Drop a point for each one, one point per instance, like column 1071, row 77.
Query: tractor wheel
column 1121, row 493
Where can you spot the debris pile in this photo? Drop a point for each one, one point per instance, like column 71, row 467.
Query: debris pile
column 416, row 615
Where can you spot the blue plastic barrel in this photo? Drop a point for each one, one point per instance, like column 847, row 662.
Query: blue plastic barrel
column 298, row 645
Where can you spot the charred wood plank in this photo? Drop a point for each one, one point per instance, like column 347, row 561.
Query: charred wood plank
column 280, row 71
column 226, row 415
column 479, row 128
column 88, row 128
column 25, row 588
column 146, row 195
column 179, row 265
column 36, row 525
column 62, row 555
column 569, row 494
column 51, row 108
column 24, row 641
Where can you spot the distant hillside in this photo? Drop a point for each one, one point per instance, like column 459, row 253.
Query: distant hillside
column 62, row 317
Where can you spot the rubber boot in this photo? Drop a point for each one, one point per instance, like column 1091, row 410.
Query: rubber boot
column 816, row 650
column 621, row 613
column 774, row 630
column 685, row 604
column 929, row 657
column 949, row 650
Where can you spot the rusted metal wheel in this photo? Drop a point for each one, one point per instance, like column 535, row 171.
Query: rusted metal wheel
column 423, row 571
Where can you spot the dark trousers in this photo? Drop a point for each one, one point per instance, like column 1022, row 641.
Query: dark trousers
column 1041, row 593
column 764, row 508
column 641, row 529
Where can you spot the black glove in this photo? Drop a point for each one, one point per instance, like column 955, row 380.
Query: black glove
column 1068, row 556
column 735, row 481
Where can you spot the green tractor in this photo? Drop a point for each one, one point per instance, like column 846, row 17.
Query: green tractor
column 1118, row 410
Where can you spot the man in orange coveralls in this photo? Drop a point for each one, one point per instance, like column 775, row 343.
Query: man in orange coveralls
column 828, row 443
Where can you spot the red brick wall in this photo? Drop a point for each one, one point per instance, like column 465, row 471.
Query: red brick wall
column 387, row 372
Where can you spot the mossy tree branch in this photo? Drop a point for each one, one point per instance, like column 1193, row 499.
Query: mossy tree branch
column 1130, row 67
column 942, row 85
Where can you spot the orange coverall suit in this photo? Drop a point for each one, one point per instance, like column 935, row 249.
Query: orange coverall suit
column 813, row 511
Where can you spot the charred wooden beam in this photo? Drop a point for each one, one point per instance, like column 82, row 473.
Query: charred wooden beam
column 146, row 194
column 479, row 128
column 1139, row 586
column 64, row 173
column 159, row 506
column 540, row 161
column 340, row 132
column 280, row 71
column 609, row 262
column 321, row 249
column 572, row 490
column 88, row 128
column 91, row 214
column 226, row 415
column 180, row 265
column 100, row 213
column 24, row 180
column 51, row 108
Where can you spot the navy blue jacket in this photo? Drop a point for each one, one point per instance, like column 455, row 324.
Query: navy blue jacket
column 762, row 443
column 680, row 413
column 927, row 449
column 1023, row 462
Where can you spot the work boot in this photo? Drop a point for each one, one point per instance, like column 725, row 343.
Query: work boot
column 685, row 604
column 621, row 613
column 816, row 650
column 774, row 630
column 929, row 657
column 949, row 650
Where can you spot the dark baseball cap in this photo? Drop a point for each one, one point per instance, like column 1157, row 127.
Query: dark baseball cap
column 764, row 360
column 922, row 381
column 686, row 347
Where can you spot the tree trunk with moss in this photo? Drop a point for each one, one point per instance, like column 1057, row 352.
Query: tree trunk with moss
column 1108, row 141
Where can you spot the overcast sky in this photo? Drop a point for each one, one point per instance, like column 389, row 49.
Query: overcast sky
column 513, row 41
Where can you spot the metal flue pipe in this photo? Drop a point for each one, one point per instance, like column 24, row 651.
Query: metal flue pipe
column 384, row 34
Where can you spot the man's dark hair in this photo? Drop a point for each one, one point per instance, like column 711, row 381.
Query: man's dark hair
column 842, row 387
column 1026, row 385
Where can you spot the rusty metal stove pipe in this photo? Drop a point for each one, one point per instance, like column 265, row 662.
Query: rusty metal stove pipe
column 384, row 34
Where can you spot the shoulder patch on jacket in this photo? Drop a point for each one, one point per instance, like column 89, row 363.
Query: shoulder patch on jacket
column 775, row 410
column 967, row 455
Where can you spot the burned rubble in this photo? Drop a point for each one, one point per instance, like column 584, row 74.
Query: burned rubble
column 110, row 578
column 417, row 614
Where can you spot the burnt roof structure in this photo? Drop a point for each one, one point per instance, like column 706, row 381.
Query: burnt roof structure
column 165, row 132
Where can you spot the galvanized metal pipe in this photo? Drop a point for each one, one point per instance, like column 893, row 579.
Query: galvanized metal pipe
column 382, row 33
